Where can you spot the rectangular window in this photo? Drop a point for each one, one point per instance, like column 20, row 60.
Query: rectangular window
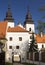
column 10, row 38
column 17, row 47
column 20, row 38
column 10, row 47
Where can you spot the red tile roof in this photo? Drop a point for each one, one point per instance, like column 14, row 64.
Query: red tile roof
column 40, row 39
column 3, row 26
column 17, row 29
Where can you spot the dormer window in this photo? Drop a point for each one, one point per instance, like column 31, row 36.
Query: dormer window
column 29, row 29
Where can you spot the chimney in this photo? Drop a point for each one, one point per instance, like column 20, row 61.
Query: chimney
column 41, row 34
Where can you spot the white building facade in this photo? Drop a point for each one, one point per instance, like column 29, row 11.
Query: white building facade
column 18, row 44
column 18, row 37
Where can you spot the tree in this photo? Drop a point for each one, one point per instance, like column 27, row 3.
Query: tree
column 1, row 46
column 3, row 43
column 33, row 44
column 42, row 9
column 41, row 26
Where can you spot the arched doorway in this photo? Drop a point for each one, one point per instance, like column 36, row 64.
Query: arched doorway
column 16, row 58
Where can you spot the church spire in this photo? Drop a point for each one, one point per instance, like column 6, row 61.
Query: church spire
column 28, row 16
column 9, row 17
column 28, row 23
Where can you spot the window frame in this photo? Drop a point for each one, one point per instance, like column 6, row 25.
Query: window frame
column 17, row 47
column 42, row 46
column 10, row 38
column 29, row 29
column 10, row 47
column 20, row 38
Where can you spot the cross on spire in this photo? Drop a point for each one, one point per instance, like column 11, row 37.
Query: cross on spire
column 28, row 16
column 9, row 4
column 28, row 8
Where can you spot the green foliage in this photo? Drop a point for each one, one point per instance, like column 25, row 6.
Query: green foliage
column 23, row 63
column 41, row 24
column 33, row 44
column 29, row 64
column 41, row 27
column 7, row 63
column 43, row 16
column 42, row 8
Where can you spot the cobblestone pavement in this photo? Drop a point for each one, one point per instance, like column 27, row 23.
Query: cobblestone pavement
column 17, row 64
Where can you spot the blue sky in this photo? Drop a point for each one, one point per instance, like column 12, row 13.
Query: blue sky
column 19, row 9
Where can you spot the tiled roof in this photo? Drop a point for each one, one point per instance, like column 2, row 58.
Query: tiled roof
column 40, row 39
column 3, row 26
column 17, row 29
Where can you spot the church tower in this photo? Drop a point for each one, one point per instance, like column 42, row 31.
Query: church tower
column 29, row 23
column 9, row 17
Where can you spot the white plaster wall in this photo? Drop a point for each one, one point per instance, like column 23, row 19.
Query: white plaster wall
column 44, row 45
column 30, row 37
column 10, row 24
column 40, row 45
column 23, row 45
column 20, row 25
column 30, row 26
column 15, row 36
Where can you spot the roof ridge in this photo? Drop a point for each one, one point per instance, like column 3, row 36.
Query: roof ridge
column 17, row 29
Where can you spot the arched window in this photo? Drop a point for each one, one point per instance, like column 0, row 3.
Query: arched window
column 42, row 46
column 29, row 29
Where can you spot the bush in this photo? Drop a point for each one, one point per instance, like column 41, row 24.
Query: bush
column 7, row 63
column 29, row 64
